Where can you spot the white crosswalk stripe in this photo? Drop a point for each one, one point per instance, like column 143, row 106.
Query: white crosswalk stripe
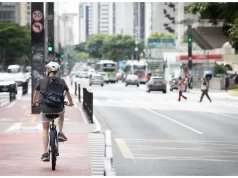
column 97, row 152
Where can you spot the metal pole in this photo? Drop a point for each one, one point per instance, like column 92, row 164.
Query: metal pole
column 46, row 31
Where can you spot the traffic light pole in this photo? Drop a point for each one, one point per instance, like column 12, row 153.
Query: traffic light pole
column 190, row 62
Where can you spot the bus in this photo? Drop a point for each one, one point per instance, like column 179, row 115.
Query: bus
column 138, row 68
column 109, row 67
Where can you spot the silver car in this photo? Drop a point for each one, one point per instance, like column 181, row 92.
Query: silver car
column 156, row 84
column 132, row 80
column 96, row 79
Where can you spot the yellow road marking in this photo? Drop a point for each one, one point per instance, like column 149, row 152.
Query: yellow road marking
column 126, row 152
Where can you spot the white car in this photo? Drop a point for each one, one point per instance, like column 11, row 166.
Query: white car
column 7, row 83
column 104, row 75
column 18, row 75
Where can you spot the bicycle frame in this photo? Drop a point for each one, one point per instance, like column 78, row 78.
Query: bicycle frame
column 53, row 129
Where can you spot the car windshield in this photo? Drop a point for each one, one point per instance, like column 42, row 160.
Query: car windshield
column 96, row 77
column 14, row 70
column 158, row 79
column 134, row 77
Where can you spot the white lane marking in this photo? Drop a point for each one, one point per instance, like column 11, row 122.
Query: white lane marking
column 83, row 115
column 183, row 125
column 2, row 104
column 14, row 127
column 10, row 105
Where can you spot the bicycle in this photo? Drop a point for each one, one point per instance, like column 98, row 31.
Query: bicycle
column 53, row 145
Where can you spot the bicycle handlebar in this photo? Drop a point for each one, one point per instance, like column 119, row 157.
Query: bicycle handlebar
column 65, row 103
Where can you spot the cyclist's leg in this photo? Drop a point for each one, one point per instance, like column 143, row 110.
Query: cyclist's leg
column 45, row 136
column 61, row 124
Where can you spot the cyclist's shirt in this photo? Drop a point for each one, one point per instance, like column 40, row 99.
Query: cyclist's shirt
column 41, row 86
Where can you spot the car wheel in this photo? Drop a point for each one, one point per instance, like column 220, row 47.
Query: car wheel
column 137, row 85
column 164, row 91
column 126, row 85
column 171, row 89
column 102, row 85
column 90, row 84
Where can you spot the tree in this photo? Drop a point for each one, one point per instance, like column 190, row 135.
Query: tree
column 14, row 43
column 94, row 45
column 81, row 47
column 81, row 55
column 116, row 47
column 214, row 11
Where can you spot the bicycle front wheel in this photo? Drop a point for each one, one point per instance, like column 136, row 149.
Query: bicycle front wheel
column 53, row 149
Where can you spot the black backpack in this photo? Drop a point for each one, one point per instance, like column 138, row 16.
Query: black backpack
column 54, row 94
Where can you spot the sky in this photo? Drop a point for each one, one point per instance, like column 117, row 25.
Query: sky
column 71, row 7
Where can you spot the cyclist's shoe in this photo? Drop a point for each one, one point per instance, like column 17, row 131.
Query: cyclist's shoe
column 62, row 137
column 45, row 157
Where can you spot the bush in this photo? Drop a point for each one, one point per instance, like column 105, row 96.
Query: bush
column 219, row 69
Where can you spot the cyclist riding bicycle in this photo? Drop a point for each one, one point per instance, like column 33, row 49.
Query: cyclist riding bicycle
column 41, row 88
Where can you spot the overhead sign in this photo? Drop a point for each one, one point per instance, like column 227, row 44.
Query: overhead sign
column 37, row 15
column 37, row 27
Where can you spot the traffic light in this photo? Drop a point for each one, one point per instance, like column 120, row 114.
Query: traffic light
column 126, row 57
column 190, row 39
column 62, row 56
column 50, row 48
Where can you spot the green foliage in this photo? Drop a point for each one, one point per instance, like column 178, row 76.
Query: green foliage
column 94, row 45
column 112, row 47
column 14, row 43
column 81, row 55
column 81, row 47
column 219, row 69
column 214, row 11
column 161, row 35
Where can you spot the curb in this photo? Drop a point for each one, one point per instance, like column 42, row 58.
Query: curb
column 98, row 126
column 108, row 159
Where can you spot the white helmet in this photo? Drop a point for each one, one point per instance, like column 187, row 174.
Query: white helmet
column 53, row 66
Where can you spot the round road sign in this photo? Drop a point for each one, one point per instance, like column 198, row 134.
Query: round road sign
column 37, row 15
column 37, row 27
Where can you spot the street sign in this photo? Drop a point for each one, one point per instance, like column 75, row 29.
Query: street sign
column 37, row 15
column 37, row 27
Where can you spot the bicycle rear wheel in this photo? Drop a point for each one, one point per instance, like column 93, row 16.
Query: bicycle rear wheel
column 53, row 149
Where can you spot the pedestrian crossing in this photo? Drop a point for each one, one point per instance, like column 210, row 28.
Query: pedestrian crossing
column 97, row 151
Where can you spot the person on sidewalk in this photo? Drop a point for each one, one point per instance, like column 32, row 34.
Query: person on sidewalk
column 41, row 89
column 204, row 88
column 227, row 82
column 180, row 83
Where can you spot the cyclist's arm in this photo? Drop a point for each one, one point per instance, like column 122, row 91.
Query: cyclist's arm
column 69, row 98
column 36, row 93
column 35, row 96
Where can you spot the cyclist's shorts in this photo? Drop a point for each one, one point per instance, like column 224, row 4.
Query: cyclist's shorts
column 45, row 119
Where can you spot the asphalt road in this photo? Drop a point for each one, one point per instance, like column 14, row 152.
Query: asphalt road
column 154, row 134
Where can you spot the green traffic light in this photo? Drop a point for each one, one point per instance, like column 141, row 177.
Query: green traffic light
column 69, row 59
column 189, row 39
column 62, row 55
column 126, row 57
column 50, row 48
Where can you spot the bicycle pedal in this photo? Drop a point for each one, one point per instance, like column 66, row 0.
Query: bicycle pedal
column 57, row 154
column 60, row 140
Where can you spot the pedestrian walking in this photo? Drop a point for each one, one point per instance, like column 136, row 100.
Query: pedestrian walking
column 180, row 84
column 227, row 82
column 204, row 88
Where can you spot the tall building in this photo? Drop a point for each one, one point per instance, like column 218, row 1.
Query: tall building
column 14, row 12
column 129, row 18
column 101, row 16
column 28, row 14
column 83, row 22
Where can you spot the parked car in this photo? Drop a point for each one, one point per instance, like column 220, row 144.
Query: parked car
column 156, row 84
column 17, row 72
column 104, row 75
column 7, row 83
column 96, row 79
column 132, row 80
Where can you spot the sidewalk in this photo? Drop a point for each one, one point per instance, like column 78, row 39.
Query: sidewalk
column 21, row 143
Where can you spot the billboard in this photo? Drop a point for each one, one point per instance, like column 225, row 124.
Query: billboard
column 162, row 43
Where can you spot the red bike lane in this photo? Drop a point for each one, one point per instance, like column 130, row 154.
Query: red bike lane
column 21, row 144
